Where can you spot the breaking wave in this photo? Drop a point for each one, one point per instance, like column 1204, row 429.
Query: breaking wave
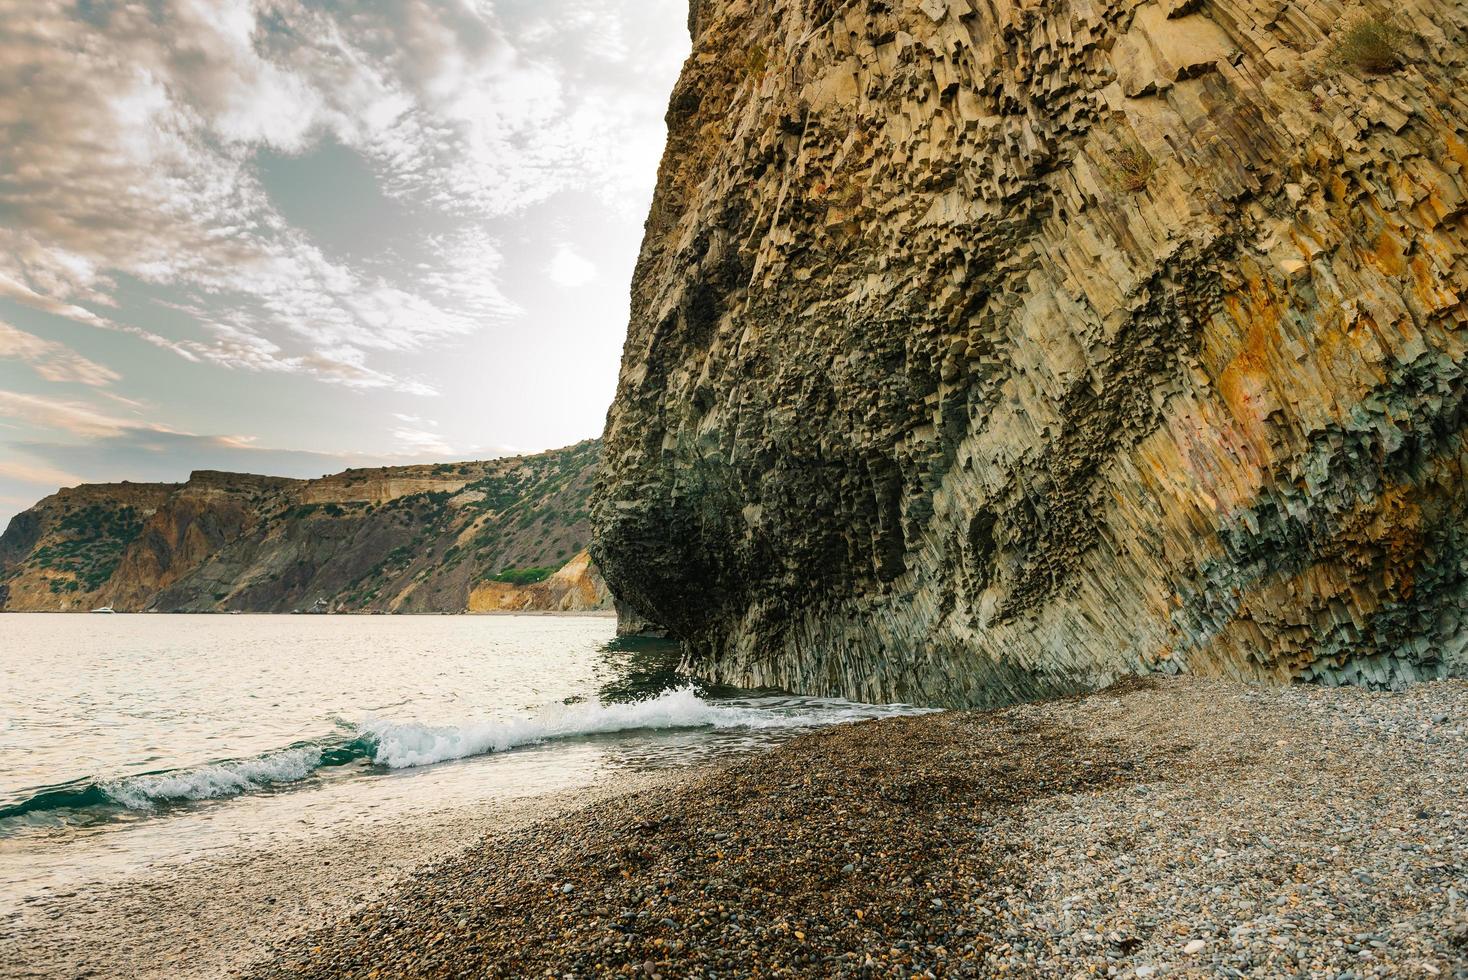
column 401, row 745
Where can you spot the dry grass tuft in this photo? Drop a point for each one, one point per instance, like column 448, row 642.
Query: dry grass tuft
column 756, row 61
column 1132, row 168
column 1371, row 44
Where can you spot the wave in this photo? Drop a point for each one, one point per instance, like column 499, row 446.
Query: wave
column 217, row 780
column 403, row 745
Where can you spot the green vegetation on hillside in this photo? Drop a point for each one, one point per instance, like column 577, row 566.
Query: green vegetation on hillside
column 93, row 539
column 512, row 520
column 522, row 576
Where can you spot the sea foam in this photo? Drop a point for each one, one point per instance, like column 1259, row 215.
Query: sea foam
column 406, row 744
column 214, row 781
column 401, row 745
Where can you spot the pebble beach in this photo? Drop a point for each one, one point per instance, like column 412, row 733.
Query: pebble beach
column 1158, row 828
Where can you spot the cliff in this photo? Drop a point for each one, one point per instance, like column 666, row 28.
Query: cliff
column 575, row 586
column 395, row 539
column 981, row 351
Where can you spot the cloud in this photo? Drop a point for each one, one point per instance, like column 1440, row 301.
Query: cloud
column 172, row 172
column 37, row 473
column 64, row 415
column 102, row 445
column 143, row 454
column 569, row 269
column 159, row 456
column 51, row 360
column 133, row 157
column 20, row 293
column 420, row 441
column 97, row 434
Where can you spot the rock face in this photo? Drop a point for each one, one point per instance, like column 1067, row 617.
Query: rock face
column 981, row 351
column 396, row 539
column 576, row 586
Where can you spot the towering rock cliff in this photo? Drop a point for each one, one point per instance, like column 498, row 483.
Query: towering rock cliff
column 982, row 350
column 505, row 534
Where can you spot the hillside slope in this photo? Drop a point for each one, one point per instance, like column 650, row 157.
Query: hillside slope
column 980, row 351
column 396, row 539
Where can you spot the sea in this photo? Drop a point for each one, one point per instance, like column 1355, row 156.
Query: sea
column 128, row 741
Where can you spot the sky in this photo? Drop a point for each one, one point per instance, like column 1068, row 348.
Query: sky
column 289, row 236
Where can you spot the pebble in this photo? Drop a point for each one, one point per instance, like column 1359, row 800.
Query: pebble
column 1278, row 832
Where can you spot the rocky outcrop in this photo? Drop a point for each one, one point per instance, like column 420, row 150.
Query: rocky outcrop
column 63, row 551
column 394, row 539
column 981, row 351
column 198, row 520
column 576, row 586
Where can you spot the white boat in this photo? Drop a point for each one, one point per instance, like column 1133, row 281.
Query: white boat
column 104, row 609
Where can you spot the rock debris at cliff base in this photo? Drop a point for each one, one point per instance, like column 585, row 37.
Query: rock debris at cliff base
column 981, row 352
column 1160, row 828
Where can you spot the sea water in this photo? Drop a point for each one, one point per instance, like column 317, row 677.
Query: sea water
column 131, row 740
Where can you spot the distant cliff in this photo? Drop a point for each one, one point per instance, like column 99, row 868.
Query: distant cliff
column 429, row 538
column 981, row 351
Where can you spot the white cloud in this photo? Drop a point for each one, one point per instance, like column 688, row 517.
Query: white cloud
column 417, row 441
column 101, row 445
column 51, row 360
column 136, row 146
column 20, row 293
column 39, row 474
column 569, row 269
column 134, row 155
column 65, row 415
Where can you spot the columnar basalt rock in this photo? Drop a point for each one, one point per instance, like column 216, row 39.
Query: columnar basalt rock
column 987, row 350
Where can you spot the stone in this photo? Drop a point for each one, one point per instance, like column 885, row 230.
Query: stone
column 1162, row 49
column 1083, row 341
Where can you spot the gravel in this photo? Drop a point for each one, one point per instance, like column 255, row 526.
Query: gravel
column 1156, row 829
column 221, row 910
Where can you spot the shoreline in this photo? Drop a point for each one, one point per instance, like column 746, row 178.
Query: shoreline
column 217, row 915
column 1177, row 827
column 1158, row 828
